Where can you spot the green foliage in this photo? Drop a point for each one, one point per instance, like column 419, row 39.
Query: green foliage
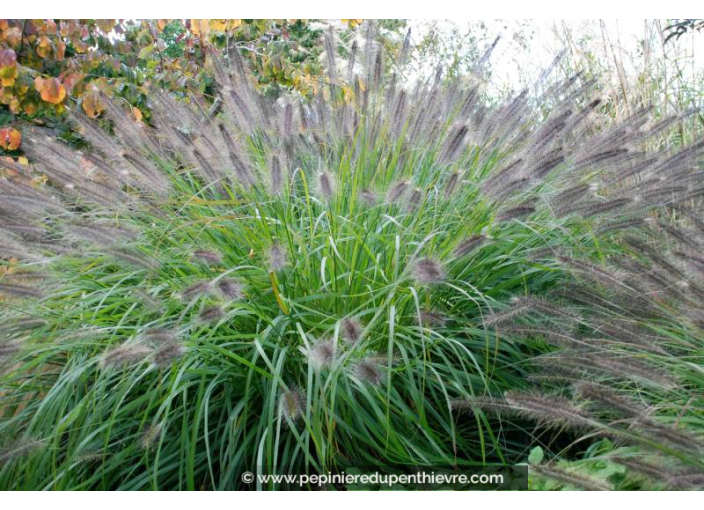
column 223, row 406
column 217, row 408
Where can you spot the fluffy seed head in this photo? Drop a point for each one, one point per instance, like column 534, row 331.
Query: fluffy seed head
column 168, row 353
column 515, row 213
column 150, row 436
column 396, row 192
column 326, row 185
column 368, row 371
column 552, row 335
column 98, row 233
column 28, row 323
column 19, row 449
column 8, row 350
column 499, row 318
column 19, row 291
column 572, row 479
column 133, row 258
column 277, row 257
column 469, row 244
column 231, row 288
column 125, row 354
column 197, row 289
column 292, row 403
column 211, row 314
column 414, row 200
column 432, row 319
column 687, row 480
column 427, row 271
column 547, row 408
column 642, row 467
column 276, row 175
column 631, row 368
column 540, row 305
column 160, row 336
column 368, row 197
column 494, row 405
column 679, row 438
column 207, row 256
column 322, row 354
column 351, row 330
column 451, row 183
column 607, row 398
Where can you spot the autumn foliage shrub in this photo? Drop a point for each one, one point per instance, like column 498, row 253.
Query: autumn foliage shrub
column 49, row 66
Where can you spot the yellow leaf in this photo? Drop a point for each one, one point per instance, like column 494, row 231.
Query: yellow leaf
column 200, row 27
column 8, row 76
column 218, row 25
column 234, row 23
column 349, row 94
column 15, row 106
column 44, row 47
column 352, row 22
column 8, row 67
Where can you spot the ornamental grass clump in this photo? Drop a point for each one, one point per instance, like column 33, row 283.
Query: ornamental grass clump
column 309, row 284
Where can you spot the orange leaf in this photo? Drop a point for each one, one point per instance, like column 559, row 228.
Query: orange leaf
column 137, row 113
column 92, row 103
column 71, row 83
column 50, row 89
column 29, row 107
column 10, row 139
column 13, row 36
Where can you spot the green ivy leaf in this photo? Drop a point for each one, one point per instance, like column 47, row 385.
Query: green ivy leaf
column 536, row 456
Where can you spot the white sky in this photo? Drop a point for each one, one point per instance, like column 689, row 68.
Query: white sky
column 528, row 46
